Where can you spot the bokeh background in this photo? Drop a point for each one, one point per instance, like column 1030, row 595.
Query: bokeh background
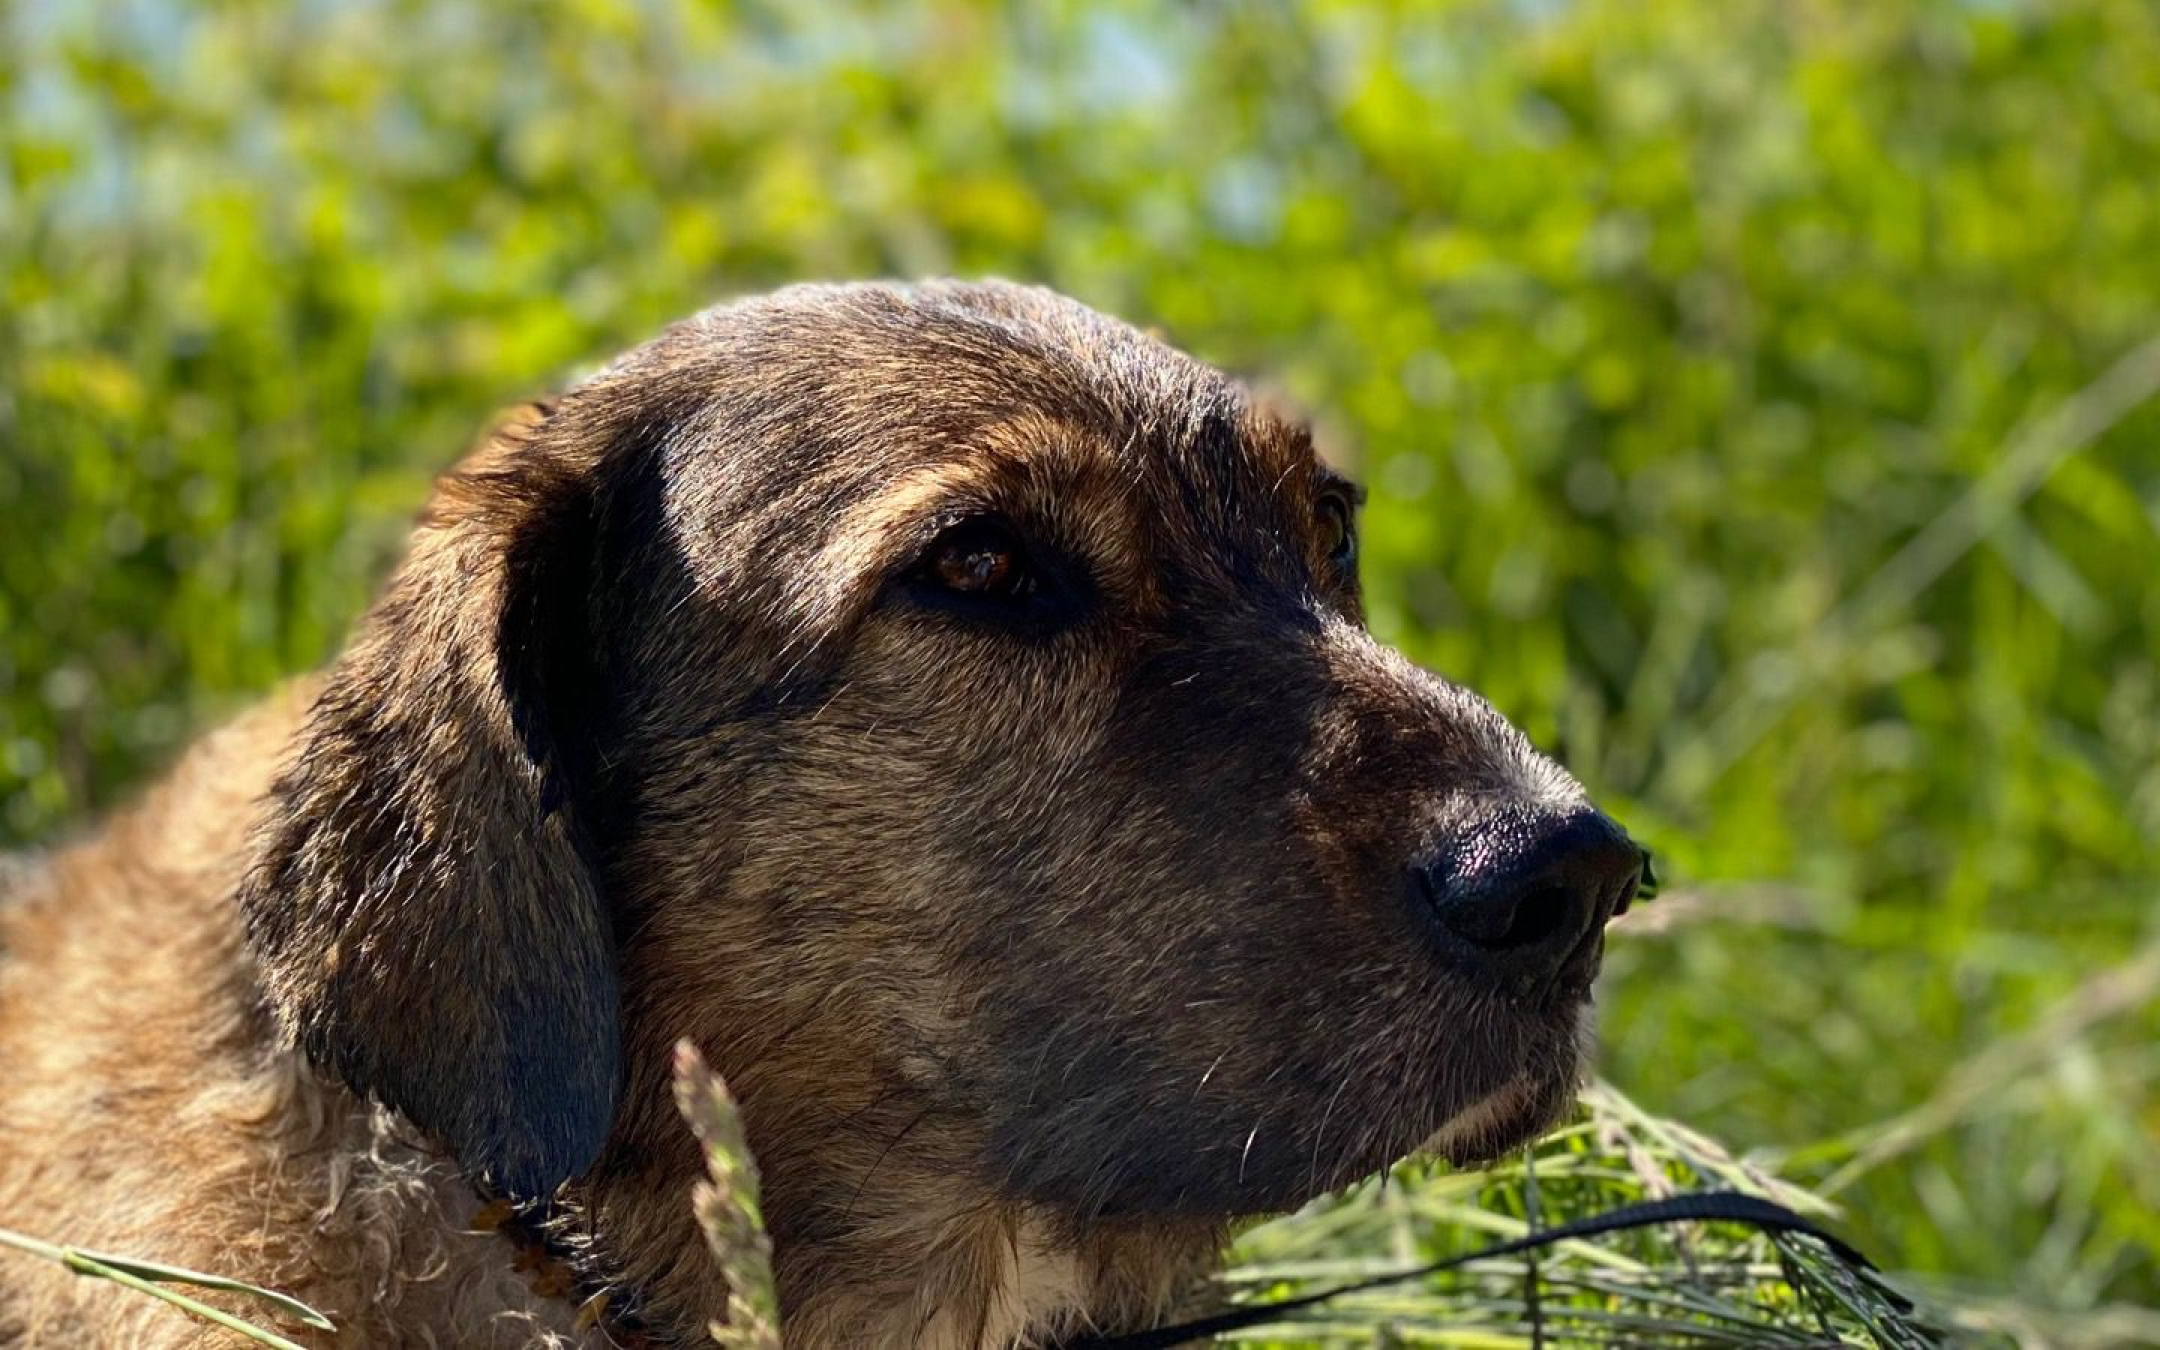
column 1761, row 400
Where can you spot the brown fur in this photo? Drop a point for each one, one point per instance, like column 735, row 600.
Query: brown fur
column 1037, row 951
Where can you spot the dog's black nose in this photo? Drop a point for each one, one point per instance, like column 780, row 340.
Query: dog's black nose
column 1526, row 899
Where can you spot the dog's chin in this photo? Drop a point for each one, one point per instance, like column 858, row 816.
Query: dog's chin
column 1504, row 1121
column 1520, row 1110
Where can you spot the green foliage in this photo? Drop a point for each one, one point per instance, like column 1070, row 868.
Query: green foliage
column 1758, row 398
column 1676, row 1285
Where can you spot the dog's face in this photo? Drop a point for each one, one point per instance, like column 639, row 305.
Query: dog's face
column 944, row 694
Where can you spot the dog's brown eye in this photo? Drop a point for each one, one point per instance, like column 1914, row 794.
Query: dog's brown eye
column 973, row 566
column 984, row 571
column 980, row 560
column 1337, row 534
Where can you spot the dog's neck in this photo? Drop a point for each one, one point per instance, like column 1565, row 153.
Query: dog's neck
column 879, row 1240
column 904, row 1257
column 886, row 1229
column 982, row 1281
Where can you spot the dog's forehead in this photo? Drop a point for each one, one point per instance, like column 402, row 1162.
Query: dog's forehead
column 851, row 422
column 889, row 379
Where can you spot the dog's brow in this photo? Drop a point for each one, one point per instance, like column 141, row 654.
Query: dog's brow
column 899, row 515
column 874, row 529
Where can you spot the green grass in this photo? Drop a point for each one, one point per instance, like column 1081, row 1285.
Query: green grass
column 156, row 1281
column 1760, row 403
column 1694, row 1285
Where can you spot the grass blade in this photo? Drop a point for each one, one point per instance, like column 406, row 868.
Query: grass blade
column 154, row 1279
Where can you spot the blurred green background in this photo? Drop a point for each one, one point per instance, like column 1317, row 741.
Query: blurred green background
column 1761, row 402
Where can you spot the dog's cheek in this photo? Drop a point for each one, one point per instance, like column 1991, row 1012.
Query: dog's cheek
column 1140, row 1043
column 1214, row 1107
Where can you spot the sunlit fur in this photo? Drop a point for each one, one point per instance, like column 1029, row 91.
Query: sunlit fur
column 1034, row 957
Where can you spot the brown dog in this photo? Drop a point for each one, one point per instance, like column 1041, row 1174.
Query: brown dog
column 947, row 706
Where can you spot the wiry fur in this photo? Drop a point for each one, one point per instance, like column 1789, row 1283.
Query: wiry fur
column 147, row 1108
column 1035, row 957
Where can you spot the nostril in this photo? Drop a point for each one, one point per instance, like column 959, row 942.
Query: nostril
column 1540, row 914
column 1500, row 920
column 1522, row 900
column 1640, row 884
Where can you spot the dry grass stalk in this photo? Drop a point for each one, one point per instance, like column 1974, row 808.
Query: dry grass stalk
column 727, row 1206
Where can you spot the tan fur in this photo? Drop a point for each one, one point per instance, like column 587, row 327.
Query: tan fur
column 145, row 1108
column 1040, row 943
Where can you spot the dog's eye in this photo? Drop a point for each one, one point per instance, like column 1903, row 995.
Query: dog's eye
column 981, row 568
column 1337, row 533
column 980, row 558
column 985, row 571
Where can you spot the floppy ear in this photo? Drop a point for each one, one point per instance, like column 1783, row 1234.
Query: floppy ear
column 422, row 907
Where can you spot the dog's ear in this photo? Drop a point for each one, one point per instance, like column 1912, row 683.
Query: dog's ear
column 423, row 905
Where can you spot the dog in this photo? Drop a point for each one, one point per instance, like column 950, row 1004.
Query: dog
column 948, row 707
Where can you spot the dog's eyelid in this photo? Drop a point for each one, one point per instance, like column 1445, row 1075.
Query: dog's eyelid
column 1338, row 512
column 983, row 528
column 1327, row 482
column 1036, row 586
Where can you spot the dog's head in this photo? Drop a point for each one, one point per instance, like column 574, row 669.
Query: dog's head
column 943, row 694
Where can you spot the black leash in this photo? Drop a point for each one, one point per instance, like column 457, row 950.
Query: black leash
column 1722, row 1206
